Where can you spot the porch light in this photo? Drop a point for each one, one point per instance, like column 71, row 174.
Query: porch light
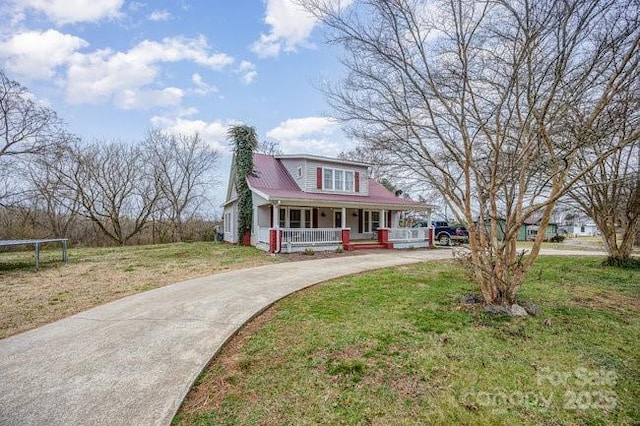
column 355, row 214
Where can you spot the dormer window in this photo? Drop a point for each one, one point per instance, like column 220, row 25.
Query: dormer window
column 338, row 180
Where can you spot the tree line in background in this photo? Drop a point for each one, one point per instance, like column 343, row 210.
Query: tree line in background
column 52, row 184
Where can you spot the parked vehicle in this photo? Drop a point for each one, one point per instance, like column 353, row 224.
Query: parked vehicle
column 446, row 234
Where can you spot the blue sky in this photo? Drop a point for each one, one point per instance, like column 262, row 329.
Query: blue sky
column 114, row 68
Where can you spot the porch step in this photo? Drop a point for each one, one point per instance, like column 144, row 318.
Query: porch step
column 367, row 246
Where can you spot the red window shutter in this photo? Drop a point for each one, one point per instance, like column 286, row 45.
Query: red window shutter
column 315, row 218
column 319, row 178
column 357, row 181
column 388, row 218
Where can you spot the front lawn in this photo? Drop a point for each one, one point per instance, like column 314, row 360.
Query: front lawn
column 93, row 276
column 396, row 347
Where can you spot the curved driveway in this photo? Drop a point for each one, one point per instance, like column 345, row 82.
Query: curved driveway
column 132, row 361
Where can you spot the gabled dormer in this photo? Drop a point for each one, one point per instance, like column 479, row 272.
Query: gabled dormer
column 315, row 174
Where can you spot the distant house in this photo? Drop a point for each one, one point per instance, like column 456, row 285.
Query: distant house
column 578, row 225
column 529, row 230
column 309, row 202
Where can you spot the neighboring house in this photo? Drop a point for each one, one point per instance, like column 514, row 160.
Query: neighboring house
column 578, row 225
column 307, row 201
column 584, row 229
column 529, row 230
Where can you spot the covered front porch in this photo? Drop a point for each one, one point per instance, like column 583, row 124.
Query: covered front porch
column 280, row 228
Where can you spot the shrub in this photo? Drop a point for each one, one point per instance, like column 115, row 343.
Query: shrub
column 622, row 262
column 309, row 252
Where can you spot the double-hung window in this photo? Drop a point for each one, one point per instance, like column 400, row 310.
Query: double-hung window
column 348, row 181
column 328, row 179
column 338, row 180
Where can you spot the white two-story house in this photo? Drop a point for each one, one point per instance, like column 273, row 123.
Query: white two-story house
column 307, row 201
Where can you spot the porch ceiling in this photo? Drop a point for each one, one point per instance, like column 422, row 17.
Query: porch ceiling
column 350, row 205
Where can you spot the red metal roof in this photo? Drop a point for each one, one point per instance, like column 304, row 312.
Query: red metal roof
column 273, row 180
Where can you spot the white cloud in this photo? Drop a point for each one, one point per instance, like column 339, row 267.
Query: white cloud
column 299, row 127
column 129, row 79
column 309, row 135
column 148, row 99
column 73, row 11
column 291, row 25
column 213, row 132
column 322, row 147
column 104, row 74
column 160, row 15
column 174, row 49
column 202, row 88
column 36, row 54
column 248, row 71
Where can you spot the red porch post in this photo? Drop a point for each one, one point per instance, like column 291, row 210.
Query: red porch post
column 273, row 240
column 383, row 238
column 346, row 236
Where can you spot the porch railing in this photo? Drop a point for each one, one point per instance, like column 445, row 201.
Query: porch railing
column 408, row 234
column 296, row 236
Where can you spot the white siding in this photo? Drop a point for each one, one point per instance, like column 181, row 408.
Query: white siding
column 264, row 216
column 257, row 200
column 292, row 164
column 325, row 221
column 230, row 227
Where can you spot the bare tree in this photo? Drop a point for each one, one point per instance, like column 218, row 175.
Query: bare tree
column 381, row 167
column 183, row 166
column 48, row 195
column 269, row 147
column 114, row 185
column 26, row 129
column 490, row 102
column 609, row 193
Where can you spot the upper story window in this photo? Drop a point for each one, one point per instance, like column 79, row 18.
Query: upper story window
column 299, row 172
column 338, row 180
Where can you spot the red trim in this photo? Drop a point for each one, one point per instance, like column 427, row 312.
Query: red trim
column 273, row 241
column 319, row 178
column 383, row 236
column 357, row 181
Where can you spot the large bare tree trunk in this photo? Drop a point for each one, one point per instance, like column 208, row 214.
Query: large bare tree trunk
column 490, row 103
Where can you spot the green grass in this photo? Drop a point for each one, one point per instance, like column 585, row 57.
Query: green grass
column 30, row 298
column 396, row 347
column 128, row 258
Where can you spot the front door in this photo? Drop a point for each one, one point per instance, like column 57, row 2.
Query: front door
column 337, row 219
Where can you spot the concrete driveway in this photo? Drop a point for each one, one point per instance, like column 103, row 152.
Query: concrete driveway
column 132, row 361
